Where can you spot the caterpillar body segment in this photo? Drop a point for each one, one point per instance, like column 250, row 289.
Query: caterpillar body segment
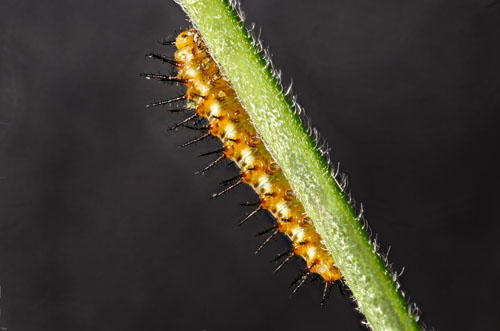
column 211, row 96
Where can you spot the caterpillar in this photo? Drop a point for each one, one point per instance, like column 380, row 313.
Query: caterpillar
column 210, row 99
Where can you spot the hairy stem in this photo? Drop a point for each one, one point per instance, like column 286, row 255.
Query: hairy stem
column 310, row 176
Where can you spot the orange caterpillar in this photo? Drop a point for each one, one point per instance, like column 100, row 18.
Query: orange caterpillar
column 211, row 96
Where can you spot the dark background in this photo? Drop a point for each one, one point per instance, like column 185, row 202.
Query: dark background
column 104, row 226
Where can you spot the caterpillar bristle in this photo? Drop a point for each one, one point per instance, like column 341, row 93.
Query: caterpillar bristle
column 279, row 256
column 168, row 101
column 212, row 164
column 205, row 136
column 290, row 255
column 162, row 58
column 300, row 280
column 250, row 204
column 272, row 236
column 230, row 180
column 184, row 121
column 217, row 151
column 178, row 110
column 167, row 42
column 249, row 216
column 162, row 77
column 274, row 227
column 190, row 127
column 229, row 188
column 326, row 292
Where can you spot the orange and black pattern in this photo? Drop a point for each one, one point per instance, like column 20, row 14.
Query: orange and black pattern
column 210, row 96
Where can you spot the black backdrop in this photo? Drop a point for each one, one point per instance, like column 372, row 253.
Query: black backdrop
column 104, row 226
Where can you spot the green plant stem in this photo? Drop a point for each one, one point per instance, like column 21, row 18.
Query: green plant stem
column 309, row 175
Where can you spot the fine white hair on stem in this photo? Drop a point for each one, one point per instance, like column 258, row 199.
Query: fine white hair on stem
column 258, row 84
column 325, row 150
